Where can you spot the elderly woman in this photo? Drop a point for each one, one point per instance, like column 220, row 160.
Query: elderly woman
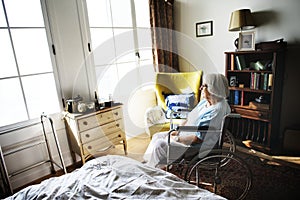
column 208, row 113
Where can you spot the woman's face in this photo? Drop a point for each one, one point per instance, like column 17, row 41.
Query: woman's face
column 204, row 92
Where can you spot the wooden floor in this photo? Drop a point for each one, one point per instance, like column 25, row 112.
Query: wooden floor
column 136, row 147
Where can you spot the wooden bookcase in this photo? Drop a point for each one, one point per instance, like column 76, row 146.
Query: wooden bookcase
column 256, row 80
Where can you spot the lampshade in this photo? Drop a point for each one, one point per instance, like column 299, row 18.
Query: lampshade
column 241, row 20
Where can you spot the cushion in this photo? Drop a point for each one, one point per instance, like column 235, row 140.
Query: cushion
column 179, row 101
column 177, row 83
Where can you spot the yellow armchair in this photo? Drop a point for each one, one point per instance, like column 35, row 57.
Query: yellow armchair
column 170, row 83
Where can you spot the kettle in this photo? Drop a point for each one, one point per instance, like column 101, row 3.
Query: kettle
column 72, row 104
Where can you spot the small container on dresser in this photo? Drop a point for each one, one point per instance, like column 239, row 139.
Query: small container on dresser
column 92, row 133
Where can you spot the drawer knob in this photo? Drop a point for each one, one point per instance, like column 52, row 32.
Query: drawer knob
column 116, row 113
column 119, row 135
column 87, row 135
column 85, row 123
column 117, row 125
column 260, row 114
column 89, row 147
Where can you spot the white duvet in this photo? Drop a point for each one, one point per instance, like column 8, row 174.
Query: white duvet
column 114, row 177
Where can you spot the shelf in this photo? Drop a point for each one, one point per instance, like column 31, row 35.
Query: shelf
column 249, row 71
column 252, row 75
column 250, row 52
column 251, row 90
column 248, row 108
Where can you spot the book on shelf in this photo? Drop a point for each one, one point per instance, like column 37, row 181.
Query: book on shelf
column 252, row 78
column 236, row 97
column 232, row 62
column 257, row 81
column 240, row 62
column 263, row 81
column 242, row 98
column 270, row 81
column 265, row 86
column 260, row 81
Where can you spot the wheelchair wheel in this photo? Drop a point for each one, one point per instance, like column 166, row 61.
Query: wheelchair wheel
column 223, row 173
column 229, row 142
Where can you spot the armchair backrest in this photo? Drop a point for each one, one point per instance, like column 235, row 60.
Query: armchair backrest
column 177, row 83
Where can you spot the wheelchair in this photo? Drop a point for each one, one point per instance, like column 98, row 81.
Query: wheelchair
column 215, row 167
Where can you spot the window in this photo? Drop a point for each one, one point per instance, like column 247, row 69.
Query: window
column 121, row 41
column 27, row 83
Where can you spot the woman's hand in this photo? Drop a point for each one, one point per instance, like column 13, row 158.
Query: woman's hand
column 174, row 138
column 174, row 133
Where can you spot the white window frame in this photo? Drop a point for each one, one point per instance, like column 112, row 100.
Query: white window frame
column 136, row 53
column 33, row 120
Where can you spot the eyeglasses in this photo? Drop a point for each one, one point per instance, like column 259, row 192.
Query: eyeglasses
column 203, row 86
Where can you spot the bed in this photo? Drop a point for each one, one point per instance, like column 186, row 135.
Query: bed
column 114, row 177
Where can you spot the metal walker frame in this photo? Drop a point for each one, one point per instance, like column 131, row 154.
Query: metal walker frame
column 5, row 175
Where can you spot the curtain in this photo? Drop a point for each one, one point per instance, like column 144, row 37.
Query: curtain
column 163, row 37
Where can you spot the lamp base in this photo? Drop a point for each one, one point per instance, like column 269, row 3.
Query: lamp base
column 236, row 43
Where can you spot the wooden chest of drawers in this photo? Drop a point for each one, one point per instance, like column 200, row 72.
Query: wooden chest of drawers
column 92, row 133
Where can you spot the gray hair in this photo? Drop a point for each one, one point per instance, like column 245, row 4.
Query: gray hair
column 217, row 85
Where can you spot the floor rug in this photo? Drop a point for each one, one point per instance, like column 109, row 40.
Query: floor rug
column 270, row 180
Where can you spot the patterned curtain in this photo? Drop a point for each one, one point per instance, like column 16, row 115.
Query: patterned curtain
column 163, row 36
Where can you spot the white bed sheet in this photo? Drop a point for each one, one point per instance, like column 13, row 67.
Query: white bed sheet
column 115, row 177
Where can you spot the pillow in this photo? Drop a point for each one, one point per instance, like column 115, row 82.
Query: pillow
column 179, row 101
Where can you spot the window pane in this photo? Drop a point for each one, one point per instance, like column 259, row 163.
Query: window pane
column 7, row 61
column 107, row 79
column 11, row 102
column 147, row 71
column 125, row 49
column 32, row 50
column 142, row 13
column 99, row 13
column 2, row 18
column 145, row 43
column 103, row 45
column 145, row 54
column 121, row 13
column 126, row 68
column 22, row 13
column 40, row 93
column 128, row 78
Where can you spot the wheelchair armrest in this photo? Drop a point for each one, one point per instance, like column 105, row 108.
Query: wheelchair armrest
column 192, row 128
column 204, row 129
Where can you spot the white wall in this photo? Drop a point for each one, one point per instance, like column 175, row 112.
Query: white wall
column 277, row 19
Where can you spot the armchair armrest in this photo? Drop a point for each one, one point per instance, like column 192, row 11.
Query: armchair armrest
column 154, row 115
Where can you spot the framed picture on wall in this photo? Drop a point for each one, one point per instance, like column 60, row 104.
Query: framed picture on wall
column 246, row 41
column 204, row 29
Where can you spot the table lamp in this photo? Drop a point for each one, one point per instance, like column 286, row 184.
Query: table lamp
column 241, row 20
